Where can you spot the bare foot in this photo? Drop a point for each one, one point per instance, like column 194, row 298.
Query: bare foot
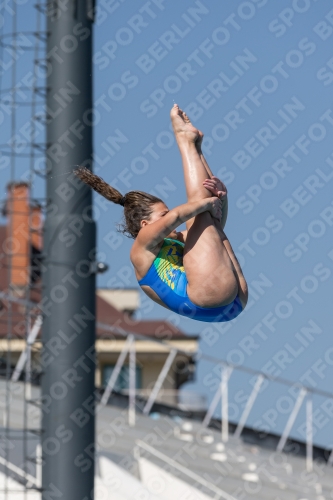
column 182, row 126
column 200, row 137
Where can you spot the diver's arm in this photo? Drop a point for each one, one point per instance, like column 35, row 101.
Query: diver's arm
column 152, row 234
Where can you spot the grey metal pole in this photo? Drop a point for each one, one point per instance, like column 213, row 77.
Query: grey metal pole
column 68, row 332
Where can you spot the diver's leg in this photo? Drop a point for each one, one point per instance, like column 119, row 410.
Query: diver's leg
column 194, row 171
column 224, row 200
column 204, row 161
column 209, row 269
column 242, row 285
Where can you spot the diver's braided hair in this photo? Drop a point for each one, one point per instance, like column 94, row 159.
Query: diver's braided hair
column 137, row 204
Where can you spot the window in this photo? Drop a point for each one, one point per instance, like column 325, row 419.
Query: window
column 122, row 382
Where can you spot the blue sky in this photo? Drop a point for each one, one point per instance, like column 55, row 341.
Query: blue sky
column 256, row 77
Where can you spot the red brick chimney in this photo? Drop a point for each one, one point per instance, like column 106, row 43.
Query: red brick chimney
column 17, row 211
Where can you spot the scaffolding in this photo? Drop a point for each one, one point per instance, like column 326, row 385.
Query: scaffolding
column 22, row 103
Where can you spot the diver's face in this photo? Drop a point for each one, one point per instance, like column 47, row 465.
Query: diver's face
column 159, row 210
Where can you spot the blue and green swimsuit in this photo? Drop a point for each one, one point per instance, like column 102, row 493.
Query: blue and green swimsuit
column 167, row 278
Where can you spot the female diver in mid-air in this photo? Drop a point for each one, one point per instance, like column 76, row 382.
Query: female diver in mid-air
column 195, row 273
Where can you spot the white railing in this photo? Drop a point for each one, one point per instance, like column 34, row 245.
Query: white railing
column 221, row 393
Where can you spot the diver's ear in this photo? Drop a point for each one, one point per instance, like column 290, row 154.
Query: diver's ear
column 143, row 223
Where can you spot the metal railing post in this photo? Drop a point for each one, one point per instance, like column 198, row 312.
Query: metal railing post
column 248, row 406
column 291, row 420
column 227, row 371
column 309, row 434
column 330, row 459
column 120, row 361
column 28, row 373
column 212, row 407
column 132, row 384
column 159, row 381
column 39, row 465
column 24, row 354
